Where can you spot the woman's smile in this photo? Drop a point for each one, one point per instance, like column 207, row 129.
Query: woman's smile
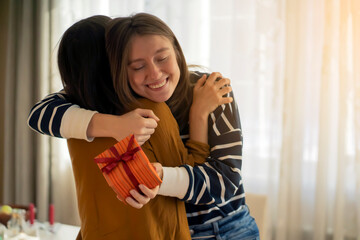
column 157, row 86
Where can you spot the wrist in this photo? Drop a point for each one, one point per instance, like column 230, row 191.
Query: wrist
column 197, row 114
column 100, row 125
column 198, row 126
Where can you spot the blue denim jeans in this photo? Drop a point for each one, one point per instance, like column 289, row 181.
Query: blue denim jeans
column 239, row 226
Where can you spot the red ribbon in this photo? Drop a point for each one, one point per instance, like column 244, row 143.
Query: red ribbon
column 112, row 162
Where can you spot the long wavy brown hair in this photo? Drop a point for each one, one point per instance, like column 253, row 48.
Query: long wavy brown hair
column 119, row 33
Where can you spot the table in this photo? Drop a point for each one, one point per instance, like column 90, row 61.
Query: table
column 59, row 232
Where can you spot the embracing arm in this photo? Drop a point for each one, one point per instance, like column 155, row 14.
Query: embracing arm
column 217, row 180
column 205, row 183
column 56, row 116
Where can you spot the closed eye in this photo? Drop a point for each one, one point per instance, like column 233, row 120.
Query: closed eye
column 162, row 59
column 138, row 68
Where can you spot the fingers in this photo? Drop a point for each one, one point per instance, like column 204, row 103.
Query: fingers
column 158, row 169
column 200, row 82
column 148, row 117
column 223, row 82
column 150, row 193
column 226, row 100
column 147, row 113
column 145, row 133
column 138, row 200
column 213, row 76
column 150, row 123
column 214, row 79
column 133, row 203
column 225, row 90
column 147, row 130
column 141, row 139
column 222, row 85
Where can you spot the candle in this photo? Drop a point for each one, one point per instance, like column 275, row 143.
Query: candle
column 51, row 214
column 32, row 213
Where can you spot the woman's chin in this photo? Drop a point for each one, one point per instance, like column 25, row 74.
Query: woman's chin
column 159, row 99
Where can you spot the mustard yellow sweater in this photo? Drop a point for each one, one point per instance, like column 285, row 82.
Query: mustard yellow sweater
column 103, row 216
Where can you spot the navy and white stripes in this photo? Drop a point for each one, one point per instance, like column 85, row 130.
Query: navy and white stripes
column 45, row 117
column 216, row 187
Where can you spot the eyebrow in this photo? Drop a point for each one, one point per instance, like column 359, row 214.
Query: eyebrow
column 158, row 51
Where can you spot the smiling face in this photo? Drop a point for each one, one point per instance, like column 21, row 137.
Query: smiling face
column 152, row 68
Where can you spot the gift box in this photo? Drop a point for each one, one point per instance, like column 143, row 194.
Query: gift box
column 125, row 166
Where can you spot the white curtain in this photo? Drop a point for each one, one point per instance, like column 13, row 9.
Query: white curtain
column 300, row 114
column 295, row 70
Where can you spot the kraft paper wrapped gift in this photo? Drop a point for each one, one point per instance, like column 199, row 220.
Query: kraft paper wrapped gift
column 125, row 166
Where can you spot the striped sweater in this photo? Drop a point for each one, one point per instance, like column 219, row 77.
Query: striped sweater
column 215, row 188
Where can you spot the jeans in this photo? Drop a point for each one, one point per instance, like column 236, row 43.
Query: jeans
column 238, row 226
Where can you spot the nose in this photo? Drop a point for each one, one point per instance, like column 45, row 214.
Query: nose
column 154, row 71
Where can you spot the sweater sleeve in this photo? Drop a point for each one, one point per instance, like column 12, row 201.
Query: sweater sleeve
column 176, row 179
column 197, row 152
column 55, row 116
column 174, row 176
column 75, row 123
column 218, row 180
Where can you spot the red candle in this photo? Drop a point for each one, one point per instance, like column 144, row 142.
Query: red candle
column 32, row 213
column 51, row 214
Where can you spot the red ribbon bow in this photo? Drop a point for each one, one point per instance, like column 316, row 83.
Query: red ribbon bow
column 126, row 156
column 112, row 162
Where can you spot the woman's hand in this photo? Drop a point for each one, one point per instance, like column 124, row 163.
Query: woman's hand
column 140, row 122
column 158, row 168
column 138, row 200
column 209, row 94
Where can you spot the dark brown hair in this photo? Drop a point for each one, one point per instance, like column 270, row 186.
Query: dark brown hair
column 84, row 66
column 119, row 34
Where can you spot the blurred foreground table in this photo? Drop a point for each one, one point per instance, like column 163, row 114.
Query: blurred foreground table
column 62, row 231
column 58, row 232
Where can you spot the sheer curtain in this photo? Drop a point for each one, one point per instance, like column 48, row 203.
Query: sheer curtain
column 295, row 70
column 301, row 124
